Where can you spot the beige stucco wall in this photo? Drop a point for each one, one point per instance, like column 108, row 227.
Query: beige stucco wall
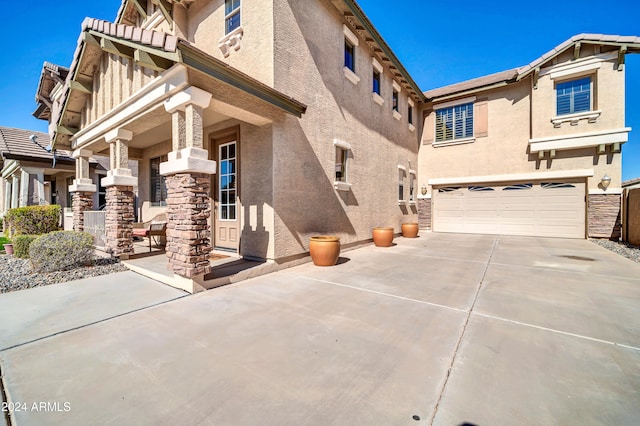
column 206, row 26
column 309, row 59
column 517, row 113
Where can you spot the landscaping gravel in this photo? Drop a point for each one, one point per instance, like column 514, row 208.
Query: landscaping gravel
column 17, row 274
column 623, row 249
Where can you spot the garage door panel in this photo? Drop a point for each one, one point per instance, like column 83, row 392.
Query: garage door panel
column 535, row 209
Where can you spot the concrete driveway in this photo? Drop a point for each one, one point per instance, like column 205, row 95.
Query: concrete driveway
column 445, row 329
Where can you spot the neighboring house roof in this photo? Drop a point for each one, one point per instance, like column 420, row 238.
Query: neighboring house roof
column 50, row 75
column 16, row 144
column 163, row 51
column 628, row 44
column 474, row 84
column 631, row 182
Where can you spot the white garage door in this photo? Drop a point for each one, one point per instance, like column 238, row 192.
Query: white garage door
column 546, row 209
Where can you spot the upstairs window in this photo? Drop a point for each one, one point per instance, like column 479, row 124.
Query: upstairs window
column 395, row 100
column 232, row 15
column 410, row 114
column 455, row 122
column 349, row 55
column 376, row 82
column 573, row 96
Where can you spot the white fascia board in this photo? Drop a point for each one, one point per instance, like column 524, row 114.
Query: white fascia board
column 560, row 174
column 580, row 140
column 150, row 96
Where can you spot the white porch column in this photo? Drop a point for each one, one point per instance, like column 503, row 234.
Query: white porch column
column 7, row 196
column 188, row 171
column 15, row 192
column 24, row 189
column 35, row 186
column 82, row 188
column 119, row 183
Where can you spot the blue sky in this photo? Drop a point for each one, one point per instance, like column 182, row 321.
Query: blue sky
column 438, row 42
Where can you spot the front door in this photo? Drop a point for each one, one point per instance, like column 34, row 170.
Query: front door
column 225, row 198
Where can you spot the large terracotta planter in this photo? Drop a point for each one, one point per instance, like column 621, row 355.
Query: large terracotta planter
column 8, row 248
column 383, row 237
column 410, row 230
column 324, row 250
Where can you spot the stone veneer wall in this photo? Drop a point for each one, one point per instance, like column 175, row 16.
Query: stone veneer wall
column 424, row 213
column 119, row 220
column 81, row 202
column 604, row 216
column 188, row 233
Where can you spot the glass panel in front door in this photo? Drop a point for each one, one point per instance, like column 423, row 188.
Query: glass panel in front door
column 227, row 183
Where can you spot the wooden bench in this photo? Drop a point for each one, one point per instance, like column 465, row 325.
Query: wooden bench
column 155, row 229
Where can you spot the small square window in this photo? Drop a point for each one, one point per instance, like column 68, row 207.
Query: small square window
column 573, row 96
column 349, row 55
column 232, row 15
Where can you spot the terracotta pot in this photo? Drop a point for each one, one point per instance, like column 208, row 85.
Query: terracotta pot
column 324, row 250
column 383, row 237
column 8, row 248
column 410, row 230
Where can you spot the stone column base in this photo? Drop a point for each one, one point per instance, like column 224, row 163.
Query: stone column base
column 424, row 213
column 81, row 202
column 188, row 233
column 604, row 216
column 119, row 220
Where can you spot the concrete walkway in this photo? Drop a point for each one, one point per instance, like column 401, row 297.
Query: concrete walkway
column 445, row 329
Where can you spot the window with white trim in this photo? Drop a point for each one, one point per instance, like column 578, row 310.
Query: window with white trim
column 341, row 181
column 573, row 96
column 376, row 82
column 349, row 55
column 231, row 15
column 401, row 174
column 158, row 184
column 455, row 122
column 412, row 183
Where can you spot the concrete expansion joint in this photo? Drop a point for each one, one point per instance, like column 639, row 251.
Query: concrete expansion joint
column 4, row 397
column 80, row 327
column 462, row 333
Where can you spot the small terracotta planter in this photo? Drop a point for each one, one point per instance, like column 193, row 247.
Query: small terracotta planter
column 410, row 230
column 383, row 237
column 8, row 248
column 324, row 250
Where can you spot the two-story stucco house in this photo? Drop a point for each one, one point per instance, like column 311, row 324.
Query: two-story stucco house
column 532, row 151
column 255, row 125
column 259, row 123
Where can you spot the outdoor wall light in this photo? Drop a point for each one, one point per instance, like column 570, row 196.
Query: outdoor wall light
column 424, row 189
column 605, row 181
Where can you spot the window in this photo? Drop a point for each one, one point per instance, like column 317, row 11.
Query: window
column 349, row 55
column 395, row 100
column 158, row 190
column 573, row 96
column 401, row 173
column 102, row 192
column 227, row 195
column 341, row 165
column 231, row 15
column 376, row 82
column 554, row 185
column 455, row 122
column 410, row 114
column 518, row 187
column 412, row 181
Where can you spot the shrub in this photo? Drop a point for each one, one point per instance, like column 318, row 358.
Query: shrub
column 34, row 220
column 61, row 250
column 21, row 245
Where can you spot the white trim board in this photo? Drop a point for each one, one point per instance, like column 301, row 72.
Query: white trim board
column 514, row 177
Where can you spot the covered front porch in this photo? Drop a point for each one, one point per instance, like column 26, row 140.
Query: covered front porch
column 183, row 122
